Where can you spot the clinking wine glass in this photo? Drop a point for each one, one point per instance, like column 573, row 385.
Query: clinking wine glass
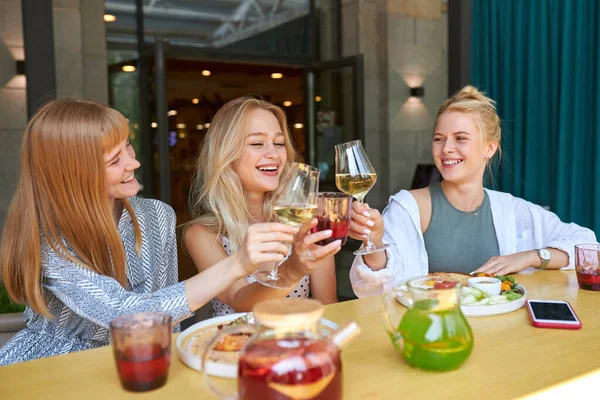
column 354, row 175
column 296, row 205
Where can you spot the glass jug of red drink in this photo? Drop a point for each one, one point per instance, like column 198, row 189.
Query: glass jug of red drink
column 289, row 356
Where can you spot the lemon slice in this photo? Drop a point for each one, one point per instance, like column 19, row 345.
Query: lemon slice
column 303, row 391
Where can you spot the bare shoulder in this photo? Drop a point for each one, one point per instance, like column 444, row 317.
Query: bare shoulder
column 422, row 196
column 197, row 235
column 423, row 199
column 203, row 245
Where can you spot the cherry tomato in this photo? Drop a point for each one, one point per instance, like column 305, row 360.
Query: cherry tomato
column 444, row 285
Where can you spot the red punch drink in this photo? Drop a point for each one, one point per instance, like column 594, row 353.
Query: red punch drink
column 143, row 368
column 284, row 369
column 338, row 226
column 142, row 349
column 333, row 212
column 587, row 264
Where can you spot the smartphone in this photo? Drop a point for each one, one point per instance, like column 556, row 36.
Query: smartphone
column 552, row 314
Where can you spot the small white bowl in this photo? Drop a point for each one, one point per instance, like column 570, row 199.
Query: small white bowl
column 492, row 286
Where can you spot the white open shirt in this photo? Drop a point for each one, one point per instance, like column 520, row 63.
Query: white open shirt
column 519, row 224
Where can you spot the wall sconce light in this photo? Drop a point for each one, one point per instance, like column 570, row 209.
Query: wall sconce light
column 20, row 67
column 417, row 91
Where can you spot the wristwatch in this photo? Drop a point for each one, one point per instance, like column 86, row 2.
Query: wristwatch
column 545, row 256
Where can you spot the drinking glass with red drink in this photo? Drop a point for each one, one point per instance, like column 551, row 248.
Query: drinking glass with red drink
column 142, row 349
column 587, row 266
column 333, row 212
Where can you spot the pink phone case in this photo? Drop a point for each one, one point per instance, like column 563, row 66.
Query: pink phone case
column 553, row 325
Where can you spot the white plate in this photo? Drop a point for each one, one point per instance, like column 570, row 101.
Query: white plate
column 227, row 370
column 487, row 310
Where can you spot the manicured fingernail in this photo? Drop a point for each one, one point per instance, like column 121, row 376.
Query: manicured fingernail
column 364, row 236
column 366, row 214
column 367, row 231
column 327, row 231
column 370, row 223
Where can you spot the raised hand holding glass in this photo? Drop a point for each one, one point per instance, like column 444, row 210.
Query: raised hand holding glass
column 296, row 205
column 355, row 176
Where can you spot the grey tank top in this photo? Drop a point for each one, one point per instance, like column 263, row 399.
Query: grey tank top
column 458, row 241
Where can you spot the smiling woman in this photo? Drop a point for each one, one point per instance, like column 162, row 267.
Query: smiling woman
column 457, row 225
column 246, row 151
column 72, row 247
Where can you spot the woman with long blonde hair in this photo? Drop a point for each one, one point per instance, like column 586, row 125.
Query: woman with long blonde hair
column 79, row 249
column 458, row 225
column 247, row 149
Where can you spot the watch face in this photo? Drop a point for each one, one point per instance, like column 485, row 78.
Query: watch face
column 545, row 254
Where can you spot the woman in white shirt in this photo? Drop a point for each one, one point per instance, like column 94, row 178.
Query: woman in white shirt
column 466, row 138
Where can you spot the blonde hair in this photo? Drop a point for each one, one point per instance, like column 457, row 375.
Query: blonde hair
column 469, row 100
column 217, row 199
column 61, row 198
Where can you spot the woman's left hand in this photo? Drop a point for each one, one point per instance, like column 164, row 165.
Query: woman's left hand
column 306, row 254
column 504, row 265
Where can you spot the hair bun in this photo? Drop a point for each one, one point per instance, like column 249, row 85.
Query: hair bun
column 470, row 92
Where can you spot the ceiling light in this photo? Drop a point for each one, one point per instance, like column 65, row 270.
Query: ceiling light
column 154, row 124
column 276, row 75
column 287, row 103
column 318, row 99
column 135, row 126
column 172, row 113
column 109, row 18
column 298, row 126
column 206, row 72
column 207, row 125
column 181, row 126
column 195, row 101
column 182, row 135
column 199, row 127
column 128, row 68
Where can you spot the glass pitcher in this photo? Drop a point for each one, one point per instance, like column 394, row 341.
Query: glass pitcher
column 290, row 355
column 433, row 334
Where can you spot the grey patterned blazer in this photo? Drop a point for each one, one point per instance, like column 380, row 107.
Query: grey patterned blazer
column 83, row 302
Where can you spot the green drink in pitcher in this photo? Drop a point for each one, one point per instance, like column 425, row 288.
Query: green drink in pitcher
column 435, row 340
column 433, row 334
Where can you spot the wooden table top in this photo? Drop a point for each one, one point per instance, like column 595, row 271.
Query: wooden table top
column 510, row 359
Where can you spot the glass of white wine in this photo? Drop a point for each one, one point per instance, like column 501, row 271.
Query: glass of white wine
column 295, row 205
column 355, row 176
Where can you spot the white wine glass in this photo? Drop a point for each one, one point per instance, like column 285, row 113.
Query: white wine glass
column 354, row 175
column 295, row 205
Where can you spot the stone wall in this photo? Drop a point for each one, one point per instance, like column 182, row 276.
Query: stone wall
column 404, row 43
column 81, row 71
column 13, row 100
column 417, row 56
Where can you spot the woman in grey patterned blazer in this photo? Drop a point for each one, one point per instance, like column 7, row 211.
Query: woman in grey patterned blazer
column 79, row 249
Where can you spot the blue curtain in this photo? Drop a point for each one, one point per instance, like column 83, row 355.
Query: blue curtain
column 540, row 60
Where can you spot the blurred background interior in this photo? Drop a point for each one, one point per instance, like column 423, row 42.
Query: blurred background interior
column 375, row 70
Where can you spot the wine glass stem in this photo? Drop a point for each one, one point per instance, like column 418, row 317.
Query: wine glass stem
column 370, row 244
column 274, row 272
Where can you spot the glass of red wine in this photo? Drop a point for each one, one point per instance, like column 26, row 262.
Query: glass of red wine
column 142, row 349
column 587, row 264
column 333, row 212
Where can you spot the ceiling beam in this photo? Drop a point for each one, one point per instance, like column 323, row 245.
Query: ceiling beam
column 168, row 12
